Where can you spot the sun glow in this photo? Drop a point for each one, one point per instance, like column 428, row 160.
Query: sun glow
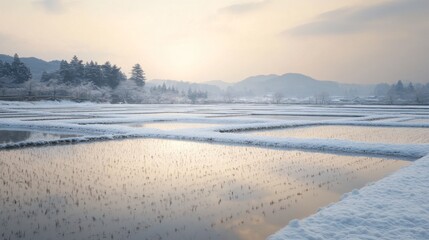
column 184, row 56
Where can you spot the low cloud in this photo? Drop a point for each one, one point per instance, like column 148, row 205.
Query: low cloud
column 245, row 7
column 51, row 6
column 358, row 19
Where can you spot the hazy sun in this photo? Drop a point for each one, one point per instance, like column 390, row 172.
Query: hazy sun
column 184, row 56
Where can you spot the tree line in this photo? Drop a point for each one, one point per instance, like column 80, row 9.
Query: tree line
column 170, row 94
column 90, row 81
column 106, row 82
column 16, row 72
column 400, row 93
column 105, row 75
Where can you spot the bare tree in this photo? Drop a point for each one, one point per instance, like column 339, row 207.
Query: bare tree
column 278, row 97
column 322, row 98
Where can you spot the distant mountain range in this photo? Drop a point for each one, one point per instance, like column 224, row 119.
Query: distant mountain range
column 296, row 85
column 289, row 84
column 37, row 66
column 220, row 84
column 211, row 89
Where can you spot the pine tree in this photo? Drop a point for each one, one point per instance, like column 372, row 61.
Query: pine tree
column 116, row 77
column 45, row 77
column 77, row 69
column 137, row 75
column 399, row 87
column 94, row 74
column 7, row 69
column 1, row 69
column 410, row 87
column 20, row 72
column 65, row 72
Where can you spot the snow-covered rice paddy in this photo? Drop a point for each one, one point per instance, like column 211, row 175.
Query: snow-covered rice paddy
column 355, row 133
column 169, row 189
column 16, row 136
column 349, row 145
column 173, row 125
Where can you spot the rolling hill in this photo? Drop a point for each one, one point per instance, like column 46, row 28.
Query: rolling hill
column 36, row 65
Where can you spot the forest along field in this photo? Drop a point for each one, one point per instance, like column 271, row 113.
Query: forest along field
column 102, row 171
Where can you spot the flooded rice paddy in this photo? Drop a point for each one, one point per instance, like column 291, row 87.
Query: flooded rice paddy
column 297, row 117
column 15, row 136
column 166, row 189
column 284, row 117
column 173, row 125
column 394, row 135
column 418, row 120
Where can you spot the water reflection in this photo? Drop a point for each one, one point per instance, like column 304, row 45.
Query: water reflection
column 14, row 136
column 418, row 120
column 164, row 189
column 296, row 117
column 174, row 125
column 282, row 117
column 397, row 135
column 17, row 116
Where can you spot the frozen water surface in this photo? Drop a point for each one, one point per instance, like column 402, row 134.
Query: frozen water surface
column 17, row 116
column 14, row 136
column 167, row 189
column 287, row 117
column 396, row 135
column 57, row 118
column 174, row 125
column 297, row 117
column 418, row 120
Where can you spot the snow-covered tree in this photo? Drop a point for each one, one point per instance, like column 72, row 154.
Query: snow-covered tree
column 399, row 87
column 278, row 97
column 138, row 76
column 196, row 95
column 112, row 75
column 93, row 73
column 78, row 69
column 322, row 98
column 128, row 92
column 66, row 73
column 19, row 71
column 381, row 89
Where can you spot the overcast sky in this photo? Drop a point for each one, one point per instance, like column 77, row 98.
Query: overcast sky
column 354, row 41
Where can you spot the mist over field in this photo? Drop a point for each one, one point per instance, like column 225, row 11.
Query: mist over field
column 35, row 79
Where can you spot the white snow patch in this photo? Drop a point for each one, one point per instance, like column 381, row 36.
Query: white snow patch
column 395, row 207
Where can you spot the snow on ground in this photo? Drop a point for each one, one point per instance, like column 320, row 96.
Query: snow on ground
column 393, row 207
column 104, row 121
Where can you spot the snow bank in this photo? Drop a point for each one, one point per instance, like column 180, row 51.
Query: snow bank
column 106, row 125
column 108, row 132
column 395, row 207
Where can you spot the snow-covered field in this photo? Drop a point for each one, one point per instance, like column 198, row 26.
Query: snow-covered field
column 395, row 206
